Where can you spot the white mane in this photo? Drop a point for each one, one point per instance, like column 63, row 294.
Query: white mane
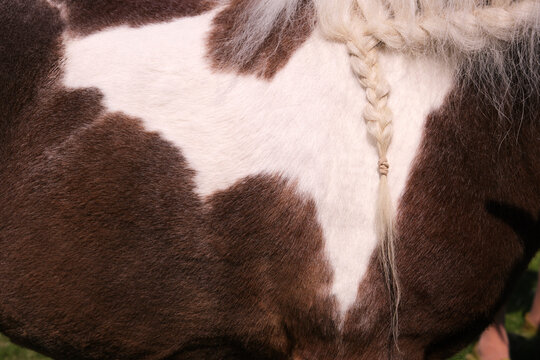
column 465, row 25
column 494, row 41
column 476, row 32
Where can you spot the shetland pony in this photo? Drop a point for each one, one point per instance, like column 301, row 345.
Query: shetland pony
column 264, row 179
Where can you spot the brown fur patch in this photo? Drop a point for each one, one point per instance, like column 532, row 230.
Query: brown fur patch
column 29, row 47
column 467, row 225
column 107, row 251
column 273, row 53
column 263, row 229
column 87, row 16
column 88, row 254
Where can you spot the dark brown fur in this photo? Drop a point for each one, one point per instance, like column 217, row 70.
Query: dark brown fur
column 29, row 45
column 467, row 225
column 273, row 53
column 87, row 16
column 108, row 252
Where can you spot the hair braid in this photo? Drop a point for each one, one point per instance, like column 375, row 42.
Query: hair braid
column 378, row 118
column 462, row 30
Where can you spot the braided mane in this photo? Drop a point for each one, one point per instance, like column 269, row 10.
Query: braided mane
column 403, row 25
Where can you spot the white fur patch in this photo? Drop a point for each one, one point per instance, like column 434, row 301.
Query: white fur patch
column 306, row 123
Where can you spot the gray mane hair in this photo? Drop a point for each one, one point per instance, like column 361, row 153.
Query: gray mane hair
column 259, row 20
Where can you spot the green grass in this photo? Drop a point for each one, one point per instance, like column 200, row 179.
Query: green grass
column 517, row 307
column 8, row 351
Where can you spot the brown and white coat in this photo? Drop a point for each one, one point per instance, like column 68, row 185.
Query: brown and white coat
column 162, row 199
